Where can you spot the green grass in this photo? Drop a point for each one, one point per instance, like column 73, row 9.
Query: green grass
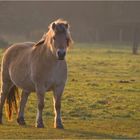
column 101, row 98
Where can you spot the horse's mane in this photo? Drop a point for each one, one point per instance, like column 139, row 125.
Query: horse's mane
column 41, row 41
column 46, row 37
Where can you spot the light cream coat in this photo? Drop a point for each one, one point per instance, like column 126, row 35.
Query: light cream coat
column 36, row 68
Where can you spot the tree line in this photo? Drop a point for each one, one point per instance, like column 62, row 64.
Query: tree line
column 91, row 21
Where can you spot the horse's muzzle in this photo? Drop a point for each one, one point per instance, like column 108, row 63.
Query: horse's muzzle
column 61, row 54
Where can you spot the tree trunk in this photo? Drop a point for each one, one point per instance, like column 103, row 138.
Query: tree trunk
column 135, row 42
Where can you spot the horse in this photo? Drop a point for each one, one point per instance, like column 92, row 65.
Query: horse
column 36, row 67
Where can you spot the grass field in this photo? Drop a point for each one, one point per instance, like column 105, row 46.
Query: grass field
column 101, row 98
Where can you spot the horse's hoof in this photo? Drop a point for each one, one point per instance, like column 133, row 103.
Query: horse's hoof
column 60, row 126
column 39, row 125
column 21, row 121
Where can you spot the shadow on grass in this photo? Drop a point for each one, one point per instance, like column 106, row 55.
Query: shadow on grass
column 89, row 134
column 30, row 131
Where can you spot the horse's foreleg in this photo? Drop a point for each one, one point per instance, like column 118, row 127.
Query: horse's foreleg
column 40, row 95
column 23, row 102
column 57, row 107
column 3, row 94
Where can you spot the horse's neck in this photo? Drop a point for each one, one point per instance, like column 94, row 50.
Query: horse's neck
column 43, row 53
column 49, row 53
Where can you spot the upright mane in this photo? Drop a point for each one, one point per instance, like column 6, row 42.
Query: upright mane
column 62, row 26
column 62, row 23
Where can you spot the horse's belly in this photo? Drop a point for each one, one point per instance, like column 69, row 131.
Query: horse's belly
column 27, row 85
column 24, row 83
column 21, row 78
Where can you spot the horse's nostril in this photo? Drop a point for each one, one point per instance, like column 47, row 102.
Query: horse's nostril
column 61, row 54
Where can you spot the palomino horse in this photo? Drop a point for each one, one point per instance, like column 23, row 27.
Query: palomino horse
column 36, row 68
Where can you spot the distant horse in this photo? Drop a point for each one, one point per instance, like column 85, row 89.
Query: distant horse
column 36, row 68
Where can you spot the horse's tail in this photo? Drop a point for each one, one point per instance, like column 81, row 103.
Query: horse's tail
column 11, row 103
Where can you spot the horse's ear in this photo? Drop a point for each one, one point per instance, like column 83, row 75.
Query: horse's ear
column 53, row 26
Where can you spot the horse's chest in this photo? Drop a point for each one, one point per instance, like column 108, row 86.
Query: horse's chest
column 57, row 76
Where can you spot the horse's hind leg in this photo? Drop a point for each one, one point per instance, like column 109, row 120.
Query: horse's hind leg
column 23, row 102
column 5, row 88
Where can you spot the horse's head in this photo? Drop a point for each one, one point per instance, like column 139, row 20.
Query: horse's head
column 59, row 38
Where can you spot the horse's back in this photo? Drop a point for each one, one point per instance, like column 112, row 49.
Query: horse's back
column 24, row 44
column 17, row 50
column 20, row 46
